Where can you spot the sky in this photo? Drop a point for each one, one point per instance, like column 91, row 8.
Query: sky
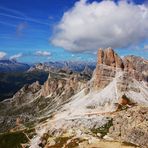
column 34, row 31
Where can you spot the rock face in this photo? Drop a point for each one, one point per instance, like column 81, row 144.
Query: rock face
column 128, row 73
column 33, row 101
column 136, row 67
column 26, row 94
column 110, row 58
column 131, row 126
column 107, row 64
column 62, row 85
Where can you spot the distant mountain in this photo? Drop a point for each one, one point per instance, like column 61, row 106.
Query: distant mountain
column 74, row 66
column 14, row 75
column 12, row 66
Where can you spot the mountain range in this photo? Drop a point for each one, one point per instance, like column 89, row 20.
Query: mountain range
column 15, row 75
column 12, row 66
column 82, row 108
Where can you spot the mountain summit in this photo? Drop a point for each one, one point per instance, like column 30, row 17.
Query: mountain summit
column 116, row 77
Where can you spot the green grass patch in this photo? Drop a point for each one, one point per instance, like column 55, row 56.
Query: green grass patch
column 103, row 129
column 12, row 140
column 60, row 141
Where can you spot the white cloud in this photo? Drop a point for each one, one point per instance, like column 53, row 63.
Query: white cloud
column 2, row 55
column 16, row 56
column 42, row 53
column 88, row 26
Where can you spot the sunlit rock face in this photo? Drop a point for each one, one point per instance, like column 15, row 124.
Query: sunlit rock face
column 107, row 64
column 66, row 85
column 127, row 70
column 136, row 67
column 110, row 58
column 26, row 94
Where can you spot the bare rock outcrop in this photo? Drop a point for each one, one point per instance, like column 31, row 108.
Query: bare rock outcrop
column 136, row 67
column 109, row 65
column 62, row 85
column 110, row 58
column 26, row 94
column 131, row 126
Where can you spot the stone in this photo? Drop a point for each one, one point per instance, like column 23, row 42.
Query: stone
column 110, row 58
column 51, row 141
column 131, row 126
column 106, row 137
column 93, row 140
column 67, row 85
column 136, row 67
column 124, row 100
column 99, row 135
column 107, row 64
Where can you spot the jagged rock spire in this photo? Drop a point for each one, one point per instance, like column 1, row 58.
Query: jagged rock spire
column 109, row 58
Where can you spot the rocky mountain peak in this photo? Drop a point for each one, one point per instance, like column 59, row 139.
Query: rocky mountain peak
column 107, row 64
column 109, row 58
column 110, row 65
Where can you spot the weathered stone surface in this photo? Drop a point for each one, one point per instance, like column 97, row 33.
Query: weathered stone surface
column 109, row 64
column 26, row 94
column 110, row 58
column 105, row 70
column 124, row 100
column 131, row 126
column 66, row 85
column 103, row 75
column 137, row 67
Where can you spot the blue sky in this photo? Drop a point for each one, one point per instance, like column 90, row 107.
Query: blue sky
column 28, row 32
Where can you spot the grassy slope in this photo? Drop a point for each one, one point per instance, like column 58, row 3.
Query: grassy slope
column 12, row 140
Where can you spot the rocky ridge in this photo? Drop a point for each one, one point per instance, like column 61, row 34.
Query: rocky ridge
column 72, row 101
column 68, row 67
column 129, row 77
column 37, row 101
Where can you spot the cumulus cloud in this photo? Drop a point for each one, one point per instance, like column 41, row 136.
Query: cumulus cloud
column 88, row 26
column 16, row 56
column 42, row 53
column 2, row 55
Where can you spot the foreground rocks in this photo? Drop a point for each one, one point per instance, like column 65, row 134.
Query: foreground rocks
column 131, row 126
